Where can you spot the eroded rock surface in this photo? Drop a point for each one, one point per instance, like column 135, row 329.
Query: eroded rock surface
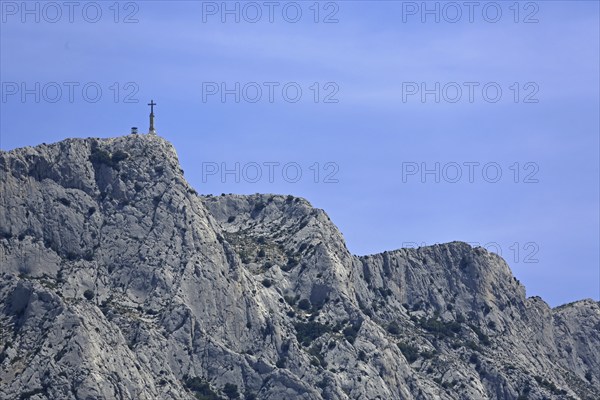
column 118, row 281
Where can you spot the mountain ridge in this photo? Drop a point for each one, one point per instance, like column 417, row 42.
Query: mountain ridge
column 165, row 293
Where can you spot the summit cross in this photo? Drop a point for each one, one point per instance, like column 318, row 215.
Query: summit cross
column 152, row 104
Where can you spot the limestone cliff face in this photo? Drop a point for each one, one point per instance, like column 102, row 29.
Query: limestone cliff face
column 118, row 281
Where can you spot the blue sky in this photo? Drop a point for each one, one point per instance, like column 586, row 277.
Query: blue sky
column 365, row 132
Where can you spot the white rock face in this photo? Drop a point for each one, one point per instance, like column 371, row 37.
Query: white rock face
column 118, row 281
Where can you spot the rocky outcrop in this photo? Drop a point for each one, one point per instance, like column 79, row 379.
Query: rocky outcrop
column 119, row 281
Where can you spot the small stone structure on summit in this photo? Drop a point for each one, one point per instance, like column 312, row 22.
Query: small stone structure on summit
column 151, row 130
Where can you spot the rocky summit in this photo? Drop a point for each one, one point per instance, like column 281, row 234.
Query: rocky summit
column 119, row 281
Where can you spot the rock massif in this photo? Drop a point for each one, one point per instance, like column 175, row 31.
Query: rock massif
column 119, row 281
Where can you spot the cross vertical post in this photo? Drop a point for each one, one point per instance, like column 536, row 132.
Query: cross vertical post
column 152, row 130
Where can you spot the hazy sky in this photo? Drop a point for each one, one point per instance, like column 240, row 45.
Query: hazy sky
column 409, row 123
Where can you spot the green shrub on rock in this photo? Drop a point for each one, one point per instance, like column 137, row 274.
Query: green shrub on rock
column 309, row 331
